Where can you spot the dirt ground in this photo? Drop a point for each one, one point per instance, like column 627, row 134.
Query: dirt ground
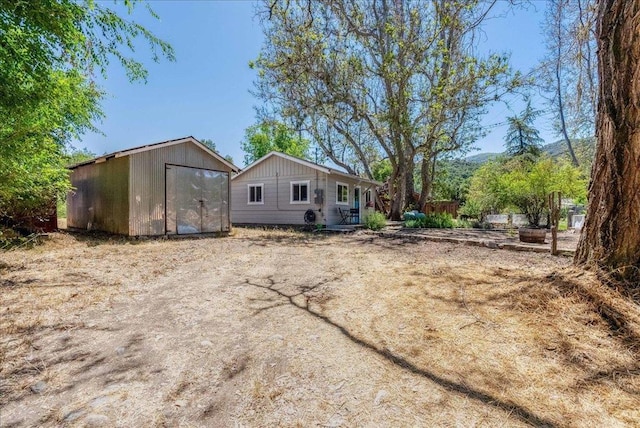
column 279, row 328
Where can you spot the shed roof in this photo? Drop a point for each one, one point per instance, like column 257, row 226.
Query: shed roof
column 309, row 164
column 154, row 146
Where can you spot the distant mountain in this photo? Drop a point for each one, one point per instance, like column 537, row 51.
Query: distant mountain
column 584, row 149
column 481, row 157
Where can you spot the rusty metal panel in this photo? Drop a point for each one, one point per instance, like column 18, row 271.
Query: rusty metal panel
column 146, row 193
column 148, row 188
column 99, row 199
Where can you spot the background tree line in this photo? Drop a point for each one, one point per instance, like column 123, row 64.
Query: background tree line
column 394, row 80
column 51, row 53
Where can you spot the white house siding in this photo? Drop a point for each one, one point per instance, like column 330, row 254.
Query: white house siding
column 147, row 183
column 276, row 174
column 100, row 200
column 333, row 217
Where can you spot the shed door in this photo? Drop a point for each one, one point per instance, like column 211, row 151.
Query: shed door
column 197, row 200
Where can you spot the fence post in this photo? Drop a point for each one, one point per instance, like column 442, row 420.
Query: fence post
column 554, row 208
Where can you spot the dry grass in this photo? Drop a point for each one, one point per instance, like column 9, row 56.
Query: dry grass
column 269, row 328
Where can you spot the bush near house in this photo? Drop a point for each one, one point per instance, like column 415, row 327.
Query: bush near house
column 375, row 221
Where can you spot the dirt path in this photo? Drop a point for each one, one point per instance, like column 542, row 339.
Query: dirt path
column 270, row 328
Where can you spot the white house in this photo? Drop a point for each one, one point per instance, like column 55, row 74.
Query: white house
column 280, row 189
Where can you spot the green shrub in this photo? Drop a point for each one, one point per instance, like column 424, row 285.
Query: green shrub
column 524, row 184
column 471, row 209
column 375, row 221
column 562, row 226
column 433, row 221
column 461, row 223
column 439, row 221
column 413, row 224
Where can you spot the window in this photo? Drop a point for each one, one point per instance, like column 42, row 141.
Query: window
column 342, row 194
column 256, row 192
column 368, row 199
column 299, row 192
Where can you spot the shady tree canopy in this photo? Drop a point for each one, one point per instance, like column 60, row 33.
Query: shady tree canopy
column 394, row 80
column 51, row 54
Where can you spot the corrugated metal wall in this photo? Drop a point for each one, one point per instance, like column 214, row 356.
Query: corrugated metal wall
column 100, row 200
column 147, row 183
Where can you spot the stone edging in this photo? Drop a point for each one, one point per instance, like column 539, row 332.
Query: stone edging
column 488, row 243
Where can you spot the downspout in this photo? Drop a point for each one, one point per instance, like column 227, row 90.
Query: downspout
column 277, row 192
column 326, row 198
column 318, row 206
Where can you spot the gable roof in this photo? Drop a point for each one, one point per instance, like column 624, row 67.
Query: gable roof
column 306, row 163
column 154, row 146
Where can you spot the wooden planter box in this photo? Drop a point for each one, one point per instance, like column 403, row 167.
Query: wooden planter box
column 532, row 235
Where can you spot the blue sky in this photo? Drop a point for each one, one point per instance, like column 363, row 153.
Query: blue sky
column 205, row 93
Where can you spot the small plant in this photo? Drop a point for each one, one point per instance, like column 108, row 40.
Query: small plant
column 562, row 226
column 433, row 220
column 375, row 221
column 439, row 221
column 413, row 224
column 463, row 223
column 471, row 209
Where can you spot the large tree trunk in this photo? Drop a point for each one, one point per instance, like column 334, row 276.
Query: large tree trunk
column 611, row 235
column 403, row 188
column 427, row 174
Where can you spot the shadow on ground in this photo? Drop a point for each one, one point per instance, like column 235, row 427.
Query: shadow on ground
column 300, row 300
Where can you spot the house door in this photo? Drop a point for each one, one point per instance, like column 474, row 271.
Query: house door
column 356, row 203
column 197, row 200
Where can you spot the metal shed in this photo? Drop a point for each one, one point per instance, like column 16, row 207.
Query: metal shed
column 172, row 187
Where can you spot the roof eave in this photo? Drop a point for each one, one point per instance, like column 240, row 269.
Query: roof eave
column 284, row 156
column 147, row 147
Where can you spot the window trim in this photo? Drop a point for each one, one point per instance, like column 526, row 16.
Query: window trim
column 249, row 186
column 368, row 199
column 338, row 202
column 368, row 196
column 299, row 182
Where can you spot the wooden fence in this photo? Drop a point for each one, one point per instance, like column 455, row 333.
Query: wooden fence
column 438, row 207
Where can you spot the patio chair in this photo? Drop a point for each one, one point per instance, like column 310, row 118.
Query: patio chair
column 354, row 216
column 345, row 216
